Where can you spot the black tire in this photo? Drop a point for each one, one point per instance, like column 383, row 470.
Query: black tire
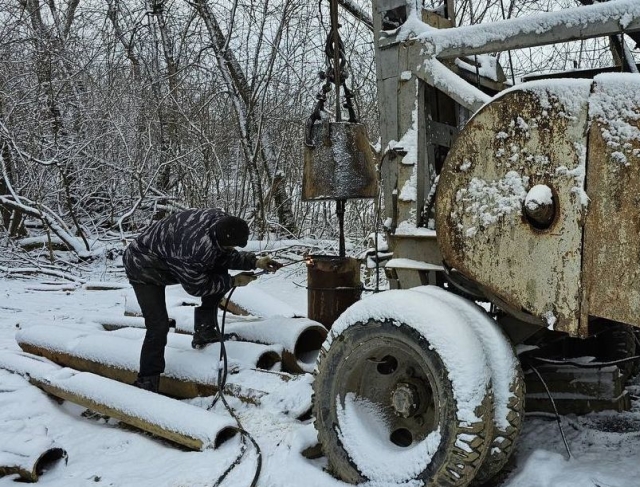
column 508, row 405
column 505, row 440
column 384, row 363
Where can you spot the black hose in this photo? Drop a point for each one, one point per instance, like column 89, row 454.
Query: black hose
column 555, row 410
column 222, row 381
column 592, row 365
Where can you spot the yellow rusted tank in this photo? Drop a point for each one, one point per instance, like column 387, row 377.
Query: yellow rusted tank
column 539, row 201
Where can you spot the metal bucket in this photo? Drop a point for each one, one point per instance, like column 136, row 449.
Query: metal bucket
column 333, row 284
column 339, row 164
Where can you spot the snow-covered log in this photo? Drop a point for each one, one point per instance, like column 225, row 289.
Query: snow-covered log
column 27, row 451
column 181, row 423
column 189, row 373
column 105, row 349
column 52, row 221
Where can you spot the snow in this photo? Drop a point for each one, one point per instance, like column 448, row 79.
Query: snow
column 614, row 105
column 26, row 449
column 605, row 445
column 497, row 348
column 361, row 424
column 489, row 202
column 259, row 303
column 409, row 190
column 446, row 80
column 484, row 65
column 408, row 143
column 444, row 328
column 539, row 195
column 409, row 229
column 402, row 263
column 438, row 40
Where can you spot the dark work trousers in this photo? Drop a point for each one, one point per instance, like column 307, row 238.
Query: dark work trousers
column 156, row 320
column 151, row 299
column 212, row 302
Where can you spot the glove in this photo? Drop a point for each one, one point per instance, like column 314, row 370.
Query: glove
column 242, row 279
column 268, row 264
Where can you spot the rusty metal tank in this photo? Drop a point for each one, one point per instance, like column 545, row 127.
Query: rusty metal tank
column 333, row 284
column 538, row 201
column 340, row 163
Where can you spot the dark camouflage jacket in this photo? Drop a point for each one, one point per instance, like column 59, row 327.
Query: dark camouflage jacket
column 179, row 249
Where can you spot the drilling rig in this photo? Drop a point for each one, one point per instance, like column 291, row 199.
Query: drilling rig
column 512, row 213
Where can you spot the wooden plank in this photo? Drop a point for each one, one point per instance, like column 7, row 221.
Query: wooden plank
column 178, row 422
column 169, row 386
column 174, row 436
column 435, row 20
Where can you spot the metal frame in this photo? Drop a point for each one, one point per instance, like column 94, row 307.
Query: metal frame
column 413, row 73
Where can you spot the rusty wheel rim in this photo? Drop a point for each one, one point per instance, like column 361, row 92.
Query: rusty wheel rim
column 395, row 376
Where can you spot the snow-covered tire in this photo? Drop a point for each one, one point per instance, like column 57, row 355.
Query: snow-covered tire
column 507, row 381
column 403, row 392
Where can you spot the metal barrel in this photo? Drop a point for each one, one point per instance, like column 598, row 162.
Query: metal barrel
column 340, row 165
column 333, row 284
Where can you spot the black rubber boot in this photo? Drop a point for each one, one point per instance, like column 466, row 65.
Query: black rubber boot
column 205, row 327
column 150, row 383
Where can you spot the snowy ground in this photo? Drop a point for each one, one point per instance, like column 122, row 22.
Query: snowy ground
column 604, row 446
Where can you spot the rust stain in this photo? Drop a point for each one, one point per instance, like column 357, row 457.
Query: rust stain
column 612, row 230
column 525, row 138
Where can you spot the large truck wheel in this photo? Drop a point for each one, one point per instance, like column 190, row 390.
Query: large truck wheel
column 507, row 381
column 403, row 392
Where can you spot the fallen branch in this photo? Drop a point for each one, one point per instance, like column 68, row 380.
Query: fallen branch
column 51, row 221
column 37, row 270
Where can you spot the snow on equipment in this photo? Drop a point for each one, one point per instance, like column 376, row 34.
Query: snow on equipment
column 522, row 198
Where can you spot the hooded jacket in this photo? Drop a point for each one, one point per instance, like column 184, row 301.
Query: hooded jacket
column 182, row 249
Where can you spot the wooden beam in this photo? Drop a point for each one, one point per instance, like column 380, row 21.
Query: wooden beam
column 170, row 386
column 599, row 20
column 160, row 428
column 176, row 421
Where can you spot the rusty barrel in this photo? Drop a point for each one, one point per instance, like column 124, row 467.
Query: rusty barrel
column 333, row 284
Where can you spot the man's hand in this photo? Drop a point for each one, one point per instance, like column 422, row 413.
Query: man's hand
column 268, row 264
column 242, row 279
